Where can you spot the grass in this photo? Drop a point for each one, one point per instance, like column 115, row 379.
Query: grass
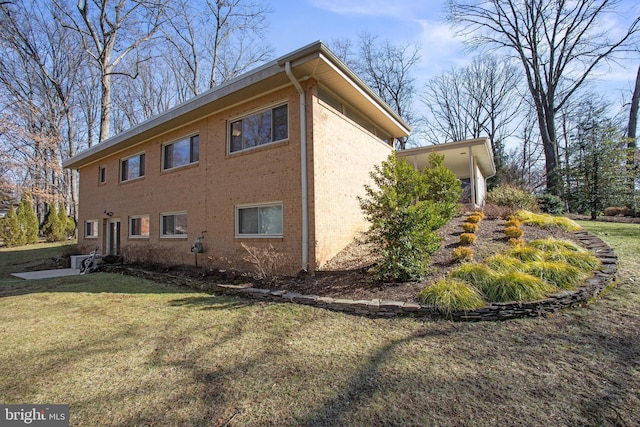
column 547, row 221
column 451, row 295
column 124, row 352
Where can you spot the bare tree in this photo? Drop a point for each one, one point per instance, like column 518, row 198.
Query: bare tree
column 480, row 99
column 559, row 44
column 38, row 76
column 111, row 30
column 386, row 68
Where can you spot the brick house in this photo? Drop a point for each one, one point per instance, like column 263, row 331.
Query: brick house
column 276, row 156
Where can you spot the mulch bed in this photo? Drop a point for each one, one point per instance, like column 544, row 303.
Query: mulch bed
column 346, row 275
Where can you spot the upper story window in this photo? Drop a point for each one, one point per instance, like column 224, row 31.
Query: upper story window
column 102, row 175
column 337, row 104
column 258, row 129
column 132, row 167
column 181, row 153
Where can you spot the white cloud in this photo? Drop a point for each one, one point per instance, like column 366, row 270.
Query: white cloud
column 441, row 49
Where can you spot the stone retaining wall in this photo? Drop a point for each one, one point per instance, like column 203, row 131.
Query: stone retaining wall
column 381, row 308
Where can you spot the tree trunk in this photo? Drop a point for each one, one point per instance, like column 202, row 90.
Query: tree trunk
column 105, row 108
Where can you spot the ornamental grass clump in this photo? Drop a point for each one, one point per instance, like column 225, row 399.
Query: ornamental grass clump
column 551, row 244
column 562, row 275
column 462, row 254
column 451, row 295
column 467, row 238
column 479, row 275
column 547, row 221
column 470, row 227
column 585, row 261
column 526, row 253
column 516, row 286
column 504, row 263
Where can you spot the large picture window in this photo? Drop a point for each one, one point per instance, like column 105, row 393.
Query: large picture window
column 173, row 224
column 258, row 129
column 259, row 221
column 181, row 153
column 132, row 167
column 139, row 226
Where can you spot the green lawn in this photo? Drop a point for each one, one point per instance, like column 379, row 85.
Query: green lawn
column 124, row 351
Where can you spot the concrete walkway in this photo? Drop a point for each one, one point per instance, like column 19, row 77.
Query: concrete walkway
column 47, row 274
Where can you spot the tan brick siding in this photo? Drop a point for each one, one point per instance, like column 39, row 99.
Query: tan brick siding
column 341, row 156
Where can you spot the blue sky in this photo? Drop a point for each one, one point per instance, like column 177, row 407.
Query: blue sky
column 295, row 23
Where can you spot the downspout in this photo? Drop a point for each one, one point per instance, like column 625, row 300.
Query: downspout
column 472, row 178
column 303, row 166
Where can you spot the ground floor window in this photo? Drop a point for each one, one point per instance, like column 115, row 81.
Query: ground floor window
column 173, row 224
column 91, row 229
column 139, row 226
column 259, row 220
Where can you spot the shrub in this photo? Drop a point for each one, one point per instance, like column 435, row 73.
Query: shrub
column 442, row 188
column 477, row 274
column 470, row 227
column 52, row 228
column 478, row 213
column 513, row 232
column 451, row 295
column 28, row 219
column 516, row 242
column 506, row 195
column 494, row 211
column 513, row 223
column 550, row 203
column 474, row 219
column 462, row 253
column 10, row 231
column 562, row 275
column 267, row 261
column 516, row 286
column 617, row 211
column 467, row 238
column 403, row 224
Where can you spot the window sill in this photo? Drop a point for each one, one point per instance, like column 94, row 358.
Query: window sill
column 140, row 178
column 257, row 148
column 179, row 168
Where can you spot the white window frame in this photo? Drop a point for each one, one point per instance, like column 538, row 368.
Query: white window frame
column 138, row 236
column 188, row 139
column 234, row 120
column 126, row 159
column 240, row 235
column 173, row 236
column 94, row 229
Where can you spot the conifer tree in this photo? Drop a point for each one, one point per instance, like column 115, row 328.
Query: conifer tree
column 11, row 232
column 52, row 228
column 28, row 219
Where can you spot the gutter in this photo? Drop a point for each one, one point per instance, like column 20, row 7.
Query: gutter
column 303, row 166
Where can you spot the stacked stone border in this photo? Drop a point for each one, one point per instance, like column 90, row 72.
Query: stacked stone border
column 382, row 308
